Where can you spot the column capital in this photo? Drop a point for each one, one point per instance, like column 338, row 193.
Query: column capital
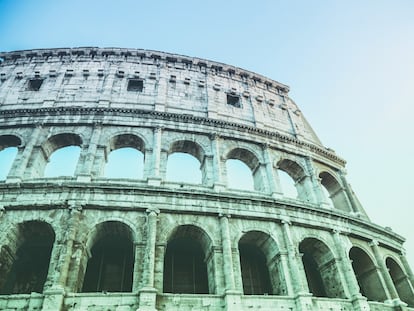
column 374, row 243
column 152, row 211
column 214, row 136
column 265, row 146
column 286, row 221
column 226, row 215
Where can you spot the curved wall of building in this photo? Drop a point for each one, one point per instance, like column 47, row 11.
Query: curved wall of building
column 149, row 243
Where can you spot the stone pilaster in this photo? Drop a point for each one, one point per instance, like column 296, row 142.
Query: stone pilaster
column 303, row 299
column 407, row 268
column 84, row 169
column 154, row 176
column 272, row 177
column 56, row 284
column 147, row 294
column 385, row 277
column 18, row 170
column 227, row 253
column 352, row 289
column 218, row 178
column 314, row 182
column 284, row 263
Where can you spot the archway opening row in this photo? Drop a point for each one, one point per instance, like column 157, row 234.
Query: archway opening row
column 185, row 163
column 107, row 264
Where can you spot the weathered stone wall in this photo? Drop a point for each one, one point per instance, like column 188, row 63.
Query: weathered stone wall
column 183, row 106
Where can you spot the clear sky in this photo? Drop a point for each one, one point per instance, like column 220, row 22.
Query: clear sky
column 350, row 66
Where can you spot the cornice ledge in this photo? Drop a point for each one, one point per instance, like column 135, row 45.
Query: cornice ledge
column 168, row 116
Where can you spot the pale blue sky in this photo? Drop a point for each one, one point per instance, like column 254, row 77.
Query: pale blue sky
column 350, row 66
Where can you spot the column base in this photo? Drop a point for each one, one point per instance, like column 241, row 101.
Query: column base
column 303, row 301
column 360, row 303
column 232, row 300
column 53, row 300
column 154, row 181
column 219, row 187
column 147, row 299
column 83, row 178
column 397, row 304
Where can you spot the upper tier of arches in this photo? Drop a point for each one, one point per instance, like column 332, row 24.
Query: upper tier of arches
column 148, row 155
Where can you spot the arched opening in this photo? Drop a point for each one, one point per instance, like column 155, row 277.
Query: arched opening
column 261, row 269
column 255, row 274
column 321, row 269
column 126, row 157
column 185, row 266
column 183, row 167
column 125, row 163
column 62, row 152
column 25, row 262
column 7, row 157
column 110, row 267
column 288, row 185
column 8, row 152
column 296, row 184
column 62, row 162
column 185, row 162
column 367, row 275
column 237, row 174
column 334, row 192
column 401, row 282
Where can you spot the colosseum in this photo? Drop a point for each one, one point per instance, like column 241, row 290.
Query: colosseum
column 87, row 241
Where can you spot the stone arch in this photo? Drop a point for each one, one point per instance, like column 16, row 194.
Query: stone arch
column 193, row 149
column 110, row 259
column 401, row 282
column 8, row 151
column 53, row 144
column 25, row 258
column 124, row 141
column 252, row 161
column 321, row 269
column 9, row 141
column 261, row 268
column 367, row 275
column 298, row 175
column 336, row 192
column 189, row 253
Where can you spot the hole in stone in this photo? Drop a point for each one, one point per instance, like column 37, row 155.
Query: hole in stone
column 135, row 85
column 34, row 84
column 233, row 100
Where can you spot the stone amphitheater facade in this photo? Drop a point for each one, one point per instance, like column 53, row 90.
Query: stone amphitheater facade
column 89, row 242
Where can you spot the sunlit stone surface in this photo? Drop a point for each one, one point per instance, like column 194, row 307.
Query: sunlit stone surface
column 257, row 215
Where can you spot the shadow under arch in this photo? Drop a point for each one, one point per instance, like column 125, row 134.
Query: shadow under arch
column 192, row 149
column 47, row 164
column 336, row 192
column 401, row 282
column 111, row 261
column 8, row 151
column 188, row 262
column 126, row 155
column 321, row 269
column 261, row 268
column 252, row 162
column 367, row 275
column 25, row 259
column 9, row 141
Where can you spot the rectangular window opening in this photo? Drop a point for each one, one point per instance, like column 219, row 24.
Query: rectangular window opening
column 135, row 85
column 34, row 84
column 233, row 100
